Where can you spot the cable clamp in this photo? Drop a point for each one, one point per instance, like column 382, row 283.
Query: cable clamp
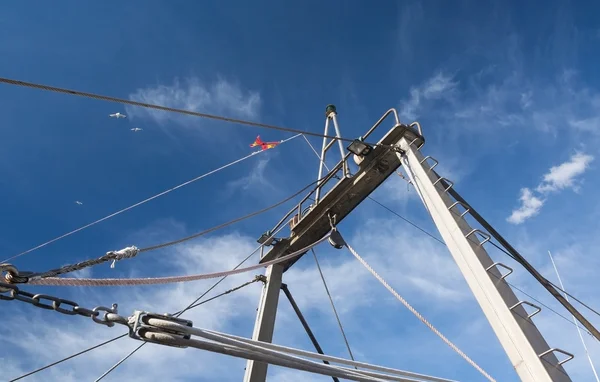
column 125, row 253
column 141, row 327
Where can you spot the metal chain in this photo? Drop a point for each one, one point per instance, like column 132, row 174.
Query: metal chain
column 100, row 314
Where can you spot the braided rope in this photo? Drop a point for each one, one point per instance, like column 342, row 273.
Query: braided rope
column 418, row 315
column 58, row 281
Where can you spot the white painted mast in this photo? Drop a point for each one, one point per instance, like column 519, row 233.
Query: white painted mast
column 574, row 320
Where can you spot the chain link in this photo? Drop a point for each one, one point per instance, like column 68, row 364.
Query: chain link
column 100, row 314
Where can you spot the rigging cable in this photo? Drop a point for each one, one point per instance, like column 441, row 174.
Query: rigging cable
column 491, row 242
column 191, row 306
column 195, row 303
column 68, row 358
column 417, row 314
column 511, row 285
column 170, row 109
column 309, row 332
column 36, row 277
column 587, row 353
column 58, row 281
column 140, row 203
column 337, row 317
column 550, row 287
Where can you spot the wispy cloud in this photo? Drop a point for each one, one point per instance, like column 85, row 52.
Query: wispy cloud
column 530, row 206
column 256, row 178
column 504, row 96
column 557, row 178
column 220, row 97
column 439, row 86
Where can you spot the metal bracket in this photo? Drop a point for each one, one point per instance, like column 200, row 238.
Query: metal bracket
column 450, row 184
column 557, row 350
column 106, row 310
column 332, row 220
column 141, row 326
column 465, row 206
column 529, row 315
column 433, row 159
column 420, row 131
column 336, row 240
column 485, row 236
column 413, row 141
column 510, row 270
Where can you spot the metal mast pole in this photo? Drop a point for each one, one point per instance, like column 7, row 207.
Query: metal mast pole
column 527, row 349
column 265, row 321
column 311, row 224
column 330, row 115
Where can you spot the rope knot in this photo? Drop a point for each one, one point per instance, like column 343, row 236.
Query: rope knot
column 125, row 253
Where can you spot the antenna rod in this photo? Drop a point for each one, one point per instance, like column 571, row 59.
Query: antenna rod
column 574, row 320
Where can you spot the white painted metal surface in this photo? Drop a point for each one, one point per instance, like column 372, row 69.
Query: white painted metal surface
column 514, row 328
column 265, row 321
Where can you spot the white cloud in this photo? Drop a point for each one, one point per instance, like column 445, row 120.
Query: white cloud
column 530, row 206
column 504, row 96
column 221, row 97
column 557, row 178
column 563, row 175
column 437, row 87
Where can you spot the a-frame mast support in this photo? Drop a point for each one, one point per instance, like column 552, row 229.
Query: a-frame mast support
column 310, row 223
column 265, row 321
column 525, row 346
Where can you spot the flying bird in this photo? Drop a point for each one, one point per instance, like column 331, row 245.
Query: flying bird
column 117, row 115
column 135, row 129
column 78, row 203
column 263, row 145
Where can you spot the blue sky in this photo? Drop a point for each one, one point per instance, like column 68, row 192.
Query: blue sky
column 508, row 96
